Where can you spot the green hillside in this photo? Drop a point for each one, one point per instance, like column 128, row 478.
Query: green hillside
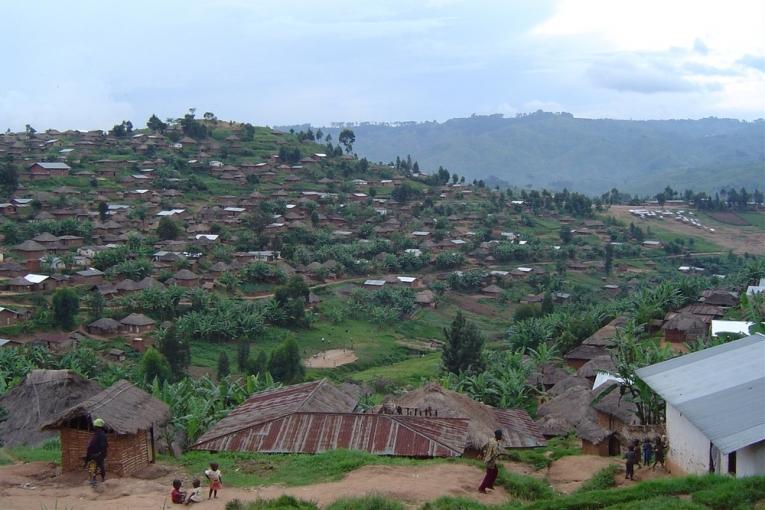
column 587, row 155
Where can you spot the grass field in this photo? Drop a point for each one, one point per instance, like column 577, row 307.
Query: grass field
column 700, row 245
column 756, row 219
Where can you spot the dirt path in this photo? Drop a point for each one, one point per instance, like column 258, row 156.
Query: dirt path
column 739, row 239
column 27, row 487
column 331, row 358
column 569, row 473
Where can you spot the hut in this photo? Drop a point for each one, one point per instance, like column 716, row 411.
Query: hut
column 137, row 323
column 104, row 327
column 41, row 396
column 684, row 327
column 581, row 354
column 131, row 416
column 519, row 430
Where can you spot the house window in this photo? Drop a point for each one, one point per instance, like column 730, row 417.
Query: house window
column 732, row 463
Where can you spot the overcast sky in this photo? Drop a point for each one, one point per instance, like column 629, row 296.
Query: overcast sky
column 90, row 64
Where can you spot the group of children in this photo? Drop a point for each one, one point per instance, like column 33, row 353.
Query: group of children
column 655, row 451
column 213, row 475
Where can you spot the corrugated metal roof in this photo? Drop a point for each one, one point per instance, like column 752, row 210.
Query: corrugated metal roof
column 315, row 396
column 381, row 434
column 721, row 390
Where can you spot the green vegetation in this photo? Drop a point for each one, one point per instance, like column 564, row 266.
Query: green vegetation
column 603, row 479
column 559, row 151
column 248, row 469
column 556, row 448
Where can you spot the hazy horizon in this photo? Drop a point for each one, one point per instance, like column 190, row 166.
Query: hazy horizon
column 90, row 64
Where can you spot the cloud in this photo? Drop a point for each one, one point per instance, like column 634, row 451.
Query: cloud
column 700, row 47
column 753, row 62
column 700, row 68
column 628, row 73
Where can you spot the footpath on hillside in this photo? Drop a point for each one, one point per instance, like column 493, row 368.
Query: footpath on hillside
column 36, row 485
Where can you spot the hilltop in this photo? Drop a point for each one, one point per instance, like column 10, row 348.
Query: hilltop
column 557, row 151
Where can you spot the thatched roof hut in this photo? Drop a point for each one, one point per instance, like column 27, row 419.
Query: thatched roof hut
column 42, row 396
column 130, row 415
column 602, row 363
column 518, row 428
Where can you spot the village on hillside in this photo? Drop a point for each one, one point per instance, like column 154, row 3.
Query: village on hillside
column 216, row 290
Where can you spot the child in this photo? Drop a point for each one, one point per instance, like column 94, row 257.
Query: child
column 631, row 457
column 647, row 451
column 216, row 481
column 659, row 450
column 177, row 495
column 195, row 496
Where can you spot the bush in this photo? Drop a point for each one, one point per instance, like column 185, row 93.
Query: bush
column 733, row 495
column 373, row 502
column 524, row 487
column 603, row 479
column 282, row 503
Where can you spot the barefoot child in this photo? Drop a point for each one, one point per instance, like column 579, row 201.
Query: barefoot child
column 216, row 481
column 177, row 496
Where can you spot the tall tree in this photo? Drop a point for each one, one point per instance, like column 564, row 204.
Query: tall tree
column 103, row 210
column 154, row 366
column 155, row 124
column 463, row 351
column 608, row 257
column 223, row 365
column 66, row 304
column 167, row 229
column 347, row 139
column 285, row 365
column 9, row 178
column 175, row 349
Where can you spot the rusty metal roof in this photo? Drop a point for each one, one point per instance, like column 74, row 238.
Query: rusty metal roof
column 381, row 434
column 315, row 396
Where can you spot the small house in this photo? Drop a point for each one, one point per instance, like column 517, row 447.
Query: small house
column 104, row 327
column 131, row 417
column 137, row 323
column 715, row 413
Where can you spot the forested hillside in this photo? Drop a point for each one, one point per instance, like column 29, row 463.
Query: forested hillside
column 588, row 155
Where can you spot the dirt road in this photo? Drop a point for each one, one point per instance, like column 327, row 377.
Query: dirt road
column 29, row 487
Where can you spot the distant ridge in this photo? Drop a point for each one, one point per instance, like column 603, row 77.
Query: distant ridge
column 557, row 150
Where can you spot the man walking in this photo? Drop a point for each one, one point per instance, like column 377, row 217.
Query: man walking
column 96, row 452
column 491, row 452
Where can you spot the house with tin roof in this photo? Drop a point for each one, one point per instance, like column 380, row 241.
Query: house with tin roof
column 715, row 407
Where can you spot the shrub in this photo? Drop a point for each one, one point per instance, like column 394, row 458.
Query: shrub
column 373, row 502
column 603, row 479
column 524, row 487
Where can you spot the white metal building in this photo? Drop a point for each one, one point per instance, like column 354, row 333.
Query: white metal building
column 715, row 407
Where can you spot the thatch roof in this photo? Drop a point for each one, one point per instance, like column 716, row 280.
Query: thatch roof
column 571, row 412
column 124, row 408
column 598, row 364
column 547, row 374
column 105, row 323
column 42, row 396
column 604, row 337
column 518, row 429
column 137, row 319
column 572, row 381
column 686, row 323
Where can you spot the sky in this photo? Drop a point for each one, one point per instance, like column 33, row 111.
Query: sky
column 91, row 64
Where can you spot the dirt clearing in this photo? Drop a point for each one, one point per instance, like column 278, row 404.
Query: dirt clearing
column 21, row 490
column 743, row 239
column 331, row 358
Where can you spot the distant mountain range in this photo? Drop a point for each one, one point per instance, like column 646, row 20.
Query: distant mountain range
column 559, row 151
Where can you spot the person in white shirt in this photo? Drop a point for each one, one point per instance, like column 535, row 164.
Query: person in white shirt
column 195, row 494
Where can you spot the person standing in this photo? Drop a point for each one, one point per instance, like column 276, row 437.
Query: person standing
column 631, row 456
column 491, row 452
column 95, row 455
column 659, row 450
column 647, row 451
